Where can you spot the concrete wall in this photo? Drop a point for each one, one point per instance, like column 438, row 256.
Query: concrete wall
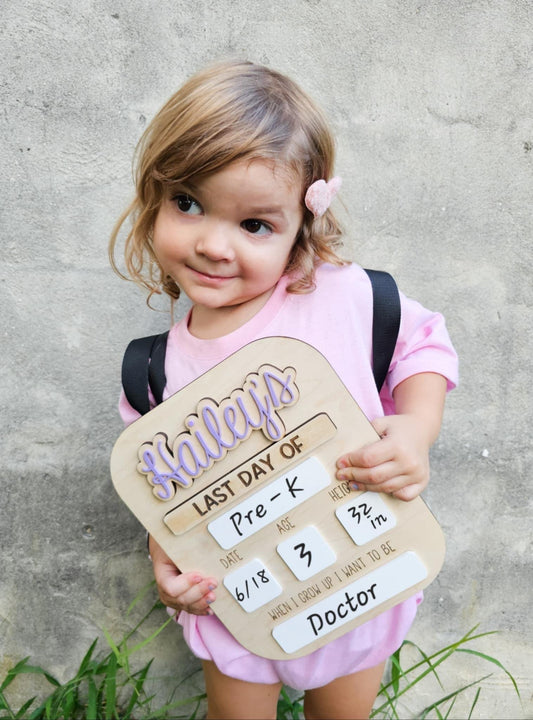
column 432, row 105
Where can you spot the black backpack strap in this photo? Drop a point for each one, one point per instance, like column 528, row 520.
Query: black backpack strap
column 385, row 322
column 143, row 368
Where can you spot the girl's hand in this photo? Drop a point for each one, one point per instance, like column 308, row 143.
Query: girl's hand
column 398, row 463
column 182, row 591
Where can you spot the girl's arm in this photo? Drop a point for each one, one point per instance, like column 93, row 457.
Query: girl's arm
column 398, row 463
column 181, row 591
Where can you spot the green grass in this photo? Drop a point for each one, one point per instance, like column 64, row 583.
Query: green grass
column 107, row 686
column 403, row 679
column 104, row 687
column 397, row 688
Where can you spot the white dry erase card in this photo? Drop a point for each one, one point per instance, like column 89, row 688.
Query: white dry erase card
column 234, row 476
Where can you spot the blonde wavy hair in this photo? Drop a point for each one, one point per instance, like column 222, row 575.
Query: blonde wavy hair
column 227, row 112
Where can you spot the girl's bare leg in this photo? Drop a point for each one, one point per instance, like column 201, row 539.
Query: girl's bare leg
column 231, row 699
column 347, row 698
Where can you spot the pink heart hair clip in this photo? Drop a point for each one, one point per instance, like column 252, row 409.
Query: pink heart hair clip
column 320, row 194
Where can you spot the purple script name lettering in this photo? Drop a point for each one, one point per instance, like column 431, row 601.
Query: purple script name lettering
column 217, row 428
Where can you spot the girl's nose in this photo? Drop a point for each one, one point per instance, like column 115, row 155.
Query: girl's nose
column 214, row 242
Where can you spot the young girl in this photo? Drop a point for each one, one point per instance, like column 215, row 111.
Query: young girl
column 234, row 182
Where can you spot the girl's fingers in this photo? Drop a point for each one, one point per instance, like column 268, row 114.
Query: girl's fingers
column 199, row 596
column 410, row 492
column 193, row 593
column 376, row 475
column 401, row 487
column 390, row 477
column 367, row 457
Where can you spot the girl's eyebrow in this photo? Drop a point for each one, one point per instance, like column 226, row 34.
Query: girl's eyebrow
column 187, row 186
column 268, row 210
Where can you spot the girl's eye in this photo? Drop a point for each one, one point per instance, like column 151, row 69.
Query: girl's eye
column 187, row 205
column 256, row 227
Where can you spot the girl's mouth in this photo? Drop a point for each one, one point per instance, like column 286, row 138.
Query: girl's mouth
column 210, row 277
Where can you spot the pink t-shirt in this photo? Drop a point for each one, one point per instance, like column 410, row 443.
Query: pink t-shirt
column 336, row 318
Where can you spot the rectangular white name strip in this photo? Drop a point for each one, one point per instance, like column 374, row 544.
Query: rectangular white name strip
column 268, row 504
column 355, row 599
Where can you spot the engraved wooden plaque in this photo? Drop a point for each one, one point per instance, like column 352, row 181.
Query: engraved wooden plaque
column 234, row 476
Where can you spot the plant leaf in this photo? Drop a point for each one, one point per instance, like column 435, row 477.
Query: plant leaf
column 92, row 700
column 396, row 670
column 116, row 652
column 474, row 703
column 488, row 658
column 149, row 639
column 162, row 712
column 425, row 659
column 87, row 659
column 137, row 690
column 24, row 709
column 142, row 592
column 451, row 695
column 111, row 688
column 21, row 668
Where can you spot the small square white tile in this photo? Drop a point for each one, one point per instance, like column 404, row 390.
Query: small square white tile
column 366, row 517
column 306, row 553
column 252, row 585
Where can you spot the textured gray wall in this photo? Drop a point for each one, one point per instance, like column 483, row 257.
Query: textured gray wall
column 432, row 105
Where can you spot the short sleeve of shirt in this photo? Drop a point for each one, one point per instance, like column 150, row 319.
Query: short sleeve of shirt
column 423, row 346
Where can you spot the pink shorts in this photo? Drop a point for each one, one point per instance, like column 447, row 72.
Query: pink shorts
column 362, row 648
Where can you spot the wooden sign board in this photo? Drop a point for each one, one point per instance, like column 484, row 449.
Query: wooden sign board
column 234, row 476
